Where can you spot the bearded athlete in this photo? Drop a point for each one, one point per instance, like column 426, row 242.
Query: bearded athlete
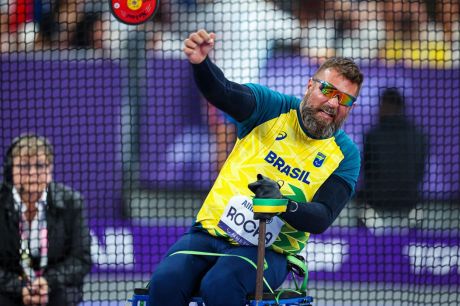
column 280, row 139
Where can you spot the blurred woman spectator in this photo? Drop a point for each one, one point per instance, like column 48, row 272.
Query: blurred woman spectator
column 45, row 245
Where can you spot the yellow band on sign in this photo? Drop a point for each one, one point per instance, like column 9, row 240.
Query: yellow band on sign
column 134, row 4
column 269, row 205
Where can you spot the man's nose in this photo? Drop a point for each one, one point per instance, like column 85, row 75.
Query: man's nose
column 334, row 101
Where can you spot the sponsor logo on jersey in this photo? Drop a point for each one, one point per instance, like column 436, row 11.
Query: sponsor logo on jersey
column 281, row 135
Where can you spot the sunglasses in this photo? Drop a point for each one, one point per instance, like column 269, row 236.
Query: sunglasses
column 330, row 92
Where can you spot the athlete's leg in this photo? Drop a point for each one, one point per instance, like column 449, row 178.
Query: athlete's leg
column 230, row 279
column 177, row 277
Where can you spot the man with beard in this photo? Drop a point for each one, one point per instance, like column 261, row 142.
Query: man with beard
column 295, row 149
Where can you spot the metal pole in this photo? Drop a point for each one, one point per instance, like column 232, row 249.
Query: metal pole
column 260, row 260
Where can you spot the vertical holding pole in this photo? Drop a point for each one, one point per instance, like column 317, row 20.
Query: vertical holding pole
column 260, row 260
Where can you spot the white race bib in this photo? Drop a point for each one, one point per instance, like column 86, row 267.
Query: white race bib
column 238, row 222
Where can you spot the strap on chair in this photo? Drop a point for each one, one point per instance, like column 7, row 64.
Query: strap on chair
column 298, row 266
column 188, row 252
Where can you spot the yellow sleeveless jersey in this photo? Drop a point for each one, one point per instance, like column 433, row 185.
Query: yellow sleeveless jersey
column 272, row 142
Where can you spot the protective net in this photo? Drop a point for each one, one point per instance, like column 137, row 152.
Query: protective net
column 132, row 134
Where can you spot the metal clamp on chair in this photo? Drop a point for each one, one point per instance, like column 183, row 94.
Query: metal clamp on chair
column 140, row 297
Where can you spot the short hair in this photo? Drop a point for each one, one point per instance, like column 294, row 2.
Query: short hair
column 344, row 66
column 31, row 144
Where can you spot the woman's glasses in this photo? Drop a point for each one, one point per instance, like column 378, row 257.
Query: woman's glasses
column 27, row 168
column 330, row 92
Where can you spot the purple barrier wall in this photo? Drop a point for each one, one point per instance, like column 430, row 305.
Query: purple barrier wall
column 77, row 105
column 175, row 144
column 348, row 254
column 431, row 102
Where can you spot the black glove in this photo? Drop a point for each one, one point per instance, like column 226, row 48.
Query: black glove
column 265, row 188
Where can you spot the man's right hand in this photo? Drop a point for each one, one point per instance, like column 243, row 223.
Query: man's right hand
column 198, row 45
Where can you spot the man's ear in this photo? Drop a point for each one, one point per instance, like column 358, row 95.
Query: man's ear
column 309, row 85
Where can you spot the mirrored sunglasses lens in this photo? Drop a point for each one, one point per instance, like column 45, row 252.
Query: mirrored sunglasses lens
column 346, row 100
column 331, row 92
column 328, row 91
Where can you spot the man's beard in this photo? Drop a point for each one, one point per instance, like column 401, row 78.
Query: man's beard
column 316, row 127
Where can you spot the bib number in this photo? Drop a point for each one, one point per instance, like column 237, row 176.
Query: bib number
column 238, row 222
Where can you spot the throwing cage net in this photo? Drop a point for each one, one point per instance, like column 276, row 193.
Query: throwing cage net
column 133, row 135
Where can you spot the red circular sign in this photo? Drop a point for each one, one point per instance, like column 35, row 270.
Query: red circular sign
column 134, row 11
